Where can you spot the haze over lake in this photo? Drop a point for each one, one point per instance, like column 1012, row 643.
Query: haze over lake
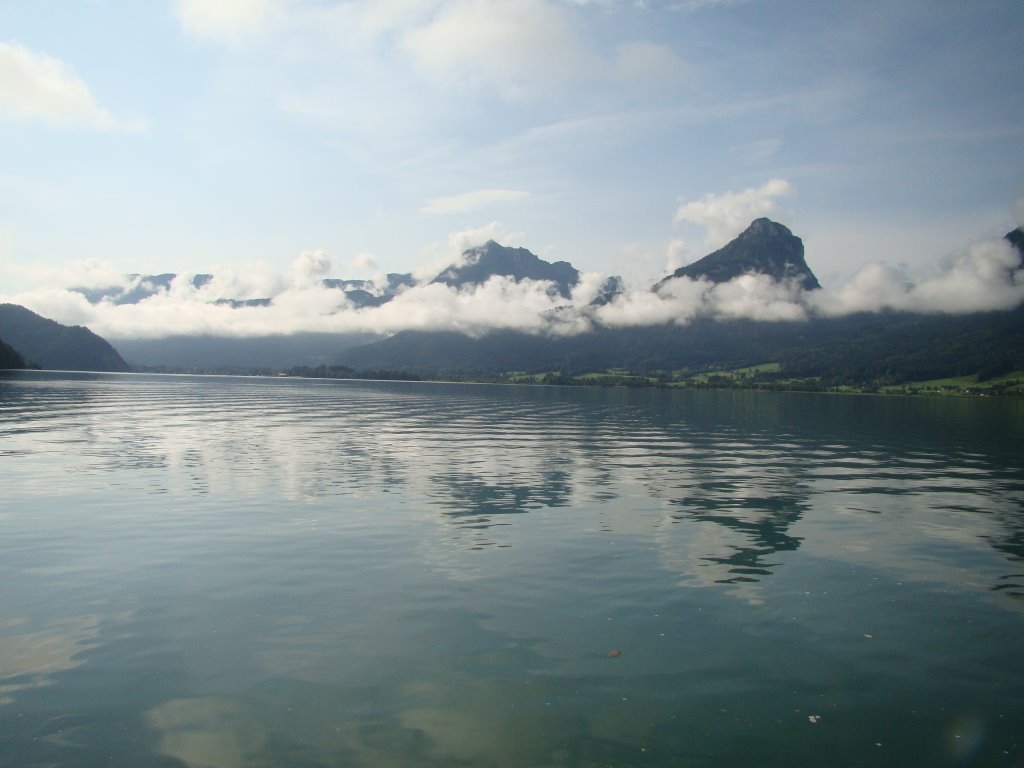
column 217, row 571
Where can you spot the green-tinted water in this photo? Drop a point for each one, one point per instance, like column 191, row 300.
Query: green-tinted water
column 245, row 572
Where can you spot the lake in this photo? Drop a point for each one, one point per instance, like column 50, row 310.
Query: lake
column 220, row 571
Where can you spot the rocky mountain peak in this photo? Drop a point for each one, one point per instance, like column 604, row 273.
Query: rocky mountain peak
column 1016, row 239
column 491, row 258
column 765, row 247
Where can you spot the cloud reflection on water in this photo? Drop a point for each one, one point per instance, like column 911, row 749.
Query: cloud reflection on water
column 32, row 659
column 394, row 574
column 740, row 480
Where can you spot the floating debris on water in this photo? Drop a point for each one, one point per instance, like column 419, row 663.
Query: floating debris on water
column 614, row 654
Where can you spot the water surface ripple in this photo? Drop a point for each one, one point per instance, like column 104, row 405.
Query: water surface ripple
column 219, row 571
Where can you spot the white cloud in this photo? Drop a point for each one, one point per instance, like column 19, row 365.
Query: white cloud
column 468, row 202
column 34, row 86
column 223, row 20
column 649, row 308
column 676, row 255
column 728, row 214
column 309, row 267
column 458, row 242
column 522, row 49
column 498, row 303
column 88, row 273
column 988, row 276
column 362, row 262
column 757, row 297
column 245, row 281
column 436, row 258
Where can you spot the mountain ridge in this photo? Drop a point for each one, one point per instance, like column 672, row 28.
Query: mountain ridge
column 765, row 247
column 52, row 345
column 493, row 259
column 10, row 358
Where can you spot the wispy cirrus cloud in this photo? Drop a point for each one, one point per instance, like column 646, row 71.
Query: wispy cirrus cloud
column 467, row 202
column 228, row 21
column 35, row 86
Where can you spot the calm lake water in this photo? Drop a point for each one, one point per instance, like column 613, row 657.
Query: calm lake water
column 214, row 571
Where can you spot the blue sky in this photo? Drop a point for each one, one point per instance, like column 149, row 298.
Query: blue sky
column 625, row 137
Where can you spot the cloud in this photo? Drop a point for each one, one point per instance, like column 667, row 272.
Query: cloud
column 309, row 267
column 498, row 303
column 227, row 21
column 468, row 202
column 362, row 262
column 756, row 297
column 728, row 214
column 520, row 50
column 436, row 258
column 676, row 255
column 87, row 273
column 987, row 276
column 34, row 86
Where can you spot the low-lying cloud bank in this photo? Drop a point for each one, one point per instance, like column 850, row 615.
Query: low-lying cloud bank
column 988, row 276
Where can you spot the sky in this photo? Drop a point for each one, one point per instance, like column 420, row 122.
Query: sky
column 264, row 138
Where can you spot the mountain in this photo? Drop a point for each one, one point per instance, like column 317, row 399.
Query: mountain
column 765, row 247
column 1016, row 239
column 10, row 357
column 366, row 293
column 490, row 259
column 870, row 347
column 361, row 293
column 139, row 287
column 855, row 349
column 219, row 353
column 54, row 346
column 478, row 265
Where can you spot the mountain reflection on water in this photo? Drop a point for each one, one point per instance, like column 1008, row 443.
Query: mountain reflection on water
column 724, row 478
column 276, row 572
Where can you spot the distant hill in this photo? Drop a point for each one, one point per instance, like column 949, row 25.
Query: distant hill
column 54, row 346
column 491, row 259
column 478, row 265
column 10, row 357
column 887, row 347
column 138, row 287
column 218, row 353
column 366, row 293
column 765, row 247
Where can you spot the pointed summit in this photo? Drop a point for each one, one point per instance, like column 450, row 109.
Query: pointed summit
column 765, row 247
column 1016, row 239
column 491, row 259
